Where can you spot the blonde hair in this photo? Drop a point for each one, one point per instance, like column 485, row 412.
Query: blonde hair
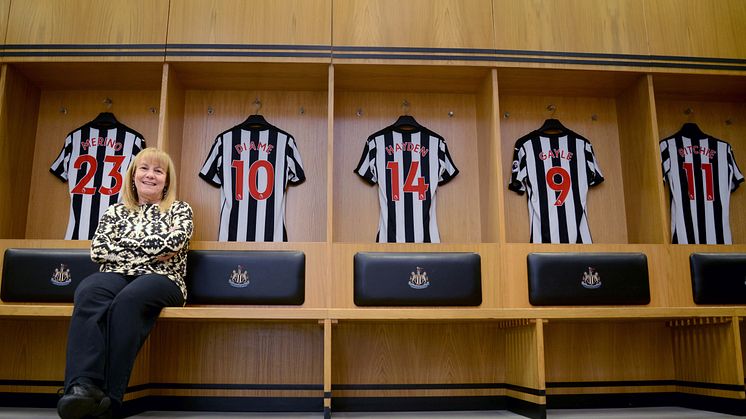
column 161, row 158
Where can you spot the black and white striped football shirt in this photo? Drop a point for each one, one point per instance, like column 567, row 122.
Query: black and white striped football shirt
column 556, row 170
column 408, row 166
column 701, row 173
column 93, row 162
column 253, row 166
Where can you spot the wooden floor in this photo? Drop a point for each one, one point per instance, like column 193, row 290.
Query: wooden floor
column 636, row 413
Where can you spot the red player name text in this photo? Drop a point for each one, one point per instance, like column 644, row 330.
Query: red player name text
column 695, row 149
column 251, row 145
column 101, row 141
column 407, row 146
column 556, row 154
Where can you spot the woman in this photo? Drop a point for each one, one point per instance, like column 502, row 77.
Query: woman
column 141, row 245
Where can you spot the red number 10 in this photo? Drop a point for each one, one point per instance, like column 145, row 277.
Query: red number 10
column 563, row 186
column 420, row 188
column 707, row 168
column 253, row 188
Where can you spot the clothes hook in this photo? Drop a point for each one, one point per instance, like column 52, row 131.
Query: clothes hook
column 257, row 105
column 552, row 108
column 108, row 102
column 405, row 107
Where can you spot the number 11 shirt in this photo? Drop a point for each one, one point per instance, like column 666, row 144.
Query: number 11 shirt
column 556, row 171
column 408, row 166
column 701, row 173
column 253, row 165
column 93, row 161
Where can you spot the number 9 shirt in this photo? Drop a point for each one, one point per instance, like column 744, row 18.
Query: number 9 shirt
column 556, row 171
column 408, row 166
column 253, row 166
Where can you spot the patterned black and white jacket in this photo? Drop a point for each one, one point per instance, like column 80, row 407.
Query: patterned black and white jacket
column 129, row 242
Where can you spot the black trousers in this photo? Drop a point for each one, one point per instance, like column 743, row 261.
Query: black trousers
column 112, row 316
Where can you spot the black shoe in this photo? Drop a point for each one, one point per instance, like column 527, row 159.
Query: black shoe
column 81, row 400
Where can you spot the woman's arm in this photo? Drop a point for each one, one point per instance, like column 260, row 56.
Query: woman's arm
column 105, row 244
column 176, row 237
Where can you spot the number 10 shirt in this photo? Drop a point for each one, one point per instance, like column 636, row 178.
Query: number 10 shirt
column 556, row 171
column 93, row 161
column 253, row 165
column 408, row 166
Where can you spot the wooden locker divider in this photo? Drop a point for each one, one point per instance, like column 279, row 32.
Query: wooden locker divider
column 708, row 356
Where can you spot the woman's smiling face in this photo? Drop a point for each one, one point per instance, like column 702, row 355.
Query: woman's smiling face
column 150, row 180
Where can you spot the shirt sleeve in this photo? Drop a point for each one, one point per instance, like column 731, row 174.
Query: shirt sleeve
column 665, row 159
column 518, row 171
column 61, row 164
column 736, row 176
column 448, row 169
column 594, row 172
column 212, row 169
column 294, row 164
column 366, row 168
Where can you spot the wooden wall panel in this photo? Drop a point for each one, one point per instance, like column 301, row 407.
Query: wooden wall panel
column 411, row 353
column 579, row 351
column 723, row 120
column 414, row 23
column 605, row 202
column 356, row 208
column 696, row 28
column 4, row 8
column 301, row 113
column 49, row 201
column 192, row 352
column 19, row 108
column 275, row 22
column 612, row 26
column 708, row 351
column 639, row 154
column 87, row 22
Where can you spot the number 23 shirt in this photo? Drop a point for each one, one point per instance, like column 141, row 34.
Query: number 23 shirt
column 93, row 161
column 408, row 166
column 556, row 170
column 253, row 166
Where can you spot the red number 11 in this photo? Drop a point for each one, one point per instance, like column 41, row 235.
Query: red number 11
column 707, row 168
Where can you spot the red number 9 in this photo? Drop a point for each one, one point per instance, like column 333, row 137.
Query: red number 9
column 563, row 186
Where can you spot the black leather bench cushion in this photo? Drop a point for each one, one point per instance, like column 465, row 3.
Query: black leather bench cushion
column 718, row 278
column 417, row 279
column 246, row 277
column 588, row 279
column 44, row 275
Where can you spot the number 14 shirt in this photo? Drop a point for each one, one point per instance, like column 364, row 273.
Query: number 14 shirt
column 556, row 171
column 408, row 166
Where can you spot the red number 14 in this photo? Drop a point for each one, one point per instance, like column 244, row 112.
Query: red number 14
column 420, row 188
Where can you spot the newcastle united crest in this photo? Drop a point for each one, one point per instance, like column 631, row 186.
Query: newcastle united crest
column 419, row 280
column 591, row 279
column 239, row 277
column 61, row 276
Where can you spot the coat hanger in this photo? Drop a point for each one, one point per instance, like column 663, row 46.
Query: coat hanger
column 255, row 120
column 105, row 119
column 552, row 126
column 406, row 121
column 692, row 130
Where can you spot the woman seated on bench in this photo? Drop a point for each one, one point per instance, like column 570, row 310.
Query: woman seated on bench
column 141, row 245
